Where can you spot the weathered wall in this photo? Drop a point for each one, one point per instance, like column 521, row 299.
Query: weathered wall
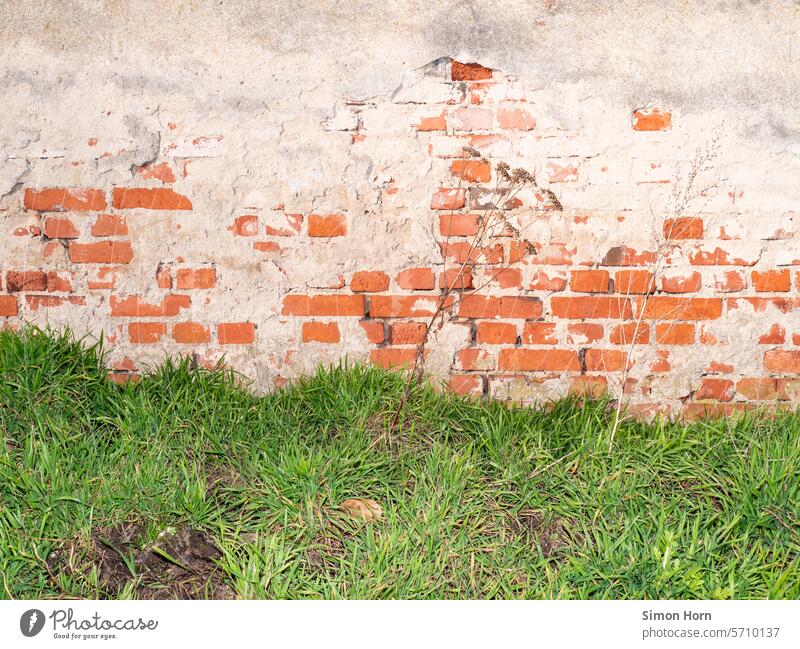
column 274, row 183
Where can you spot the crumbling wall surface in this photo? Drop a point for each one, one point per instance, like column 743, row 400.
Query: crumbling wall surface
column 285, row 184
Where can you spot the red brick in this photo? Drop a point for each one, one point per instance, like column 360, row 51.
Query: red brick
column 146, row 332
column 374, row 330
column 37, row 301
column 449, row 199
column 584, row 332
column 506, row 277
column 515, row 118
column 605, row 360
column 56, row 283
column 163, row 276
column 266, row 246
column 675, row 333
column 687, row 283
column 473, row 119
column 236, row 333
column 775, row 336
column 730, row 281
column 651, row 119
column 134, row 307
column 758, row 389
column 416, row 279
column 433, row 123
column 190, row 332
column 466, row 384
column 589, row 281
column 771, row 281
column 481, row 306
column 624, row 334
column 473, row 171
column 60, row 228
column 62, row 199
column 685, row 227
column 324, row 305
column 700, row 256
column 329, row 225
column 677, row 308
column 404, row 306
column 591, row 386
column 463, row 251
column 321, row 332
column 538, row 360
column 630, row 282
column 496, row 333
column 469, row 72
column 8, row 306
column 190, row 278
column 369, row 281
column 455, row 279
column 624, row 256
column 543, row 281
column 458, row 225
column 28, row 280
column 715, row 389
column 245, row 225
column 782, row 361
column 595, row 307
column 110, row 225
column 101, row 252
column 474, row 358
column 392, row 357
column 407, row 333
column 154, row 198
column 161, row 171
column 539, row 333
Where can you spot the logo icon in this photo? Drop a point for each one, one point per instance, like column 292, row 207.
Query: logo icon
column 31, row 622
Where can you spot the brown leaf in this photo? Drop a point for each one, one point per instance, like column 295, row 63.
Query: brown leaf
column 364, row 508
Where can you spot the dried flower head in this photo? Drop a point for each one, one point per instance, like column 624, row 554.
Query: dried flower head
column 553, row 199
column 503, row 171
column 520, row 175
column 471, row 151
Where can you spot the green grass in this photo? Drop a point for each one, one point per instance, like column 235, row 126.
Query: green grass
column 479, row 500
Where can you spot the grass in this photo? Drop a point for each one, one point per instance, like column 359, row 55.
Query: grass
column 479, row 500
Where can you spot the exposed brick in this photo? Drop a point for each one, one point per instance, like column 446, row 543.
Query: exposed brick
column 776, row 335
column 624, row 256
column 245, row 225
column 651, row 119
column 589, row 281
column 730, row 281
column 369, row 281
column 110, row 225
column 163, row 276
column 591, row 386
column 630, row 333
column 191, row 278
column 458, row 225
column 29, row 280
column 539, row 333
column 60, row 228
column 455, row 279
column 321, row 332
column 433, row 123
column 546, row 281
column 190, row 332
column 236, row 333
column 416, row 279
column 324, row 305
column 591, row 307
column 8, row 306
column 375, row 331
column 506, row 277
column 101, row 252
column 771, row 281
column 515, row 118
column 496, row 333
column 681, row 283
column 466, row 384
column 473, row 171
column 161, row 171
column 62, row 199
column 469, row 71
column 630, row 282
column 605, row 360
column 467, row 252
column 328, row 225
column 146, row 332
column 538, row 360
column 782, row 361
column 393, row 357
column 404, row 306
column 716, row 389
column 449, row 199
column 134, row 307
column 675, row 333
column 473, row 119
column 481, row 306
column 474, row 358
column 676, row 308
column 150, row 198
column 407, row 333
column 685, row 227
column 758, row 389
column 702, row 256
column 584, row 332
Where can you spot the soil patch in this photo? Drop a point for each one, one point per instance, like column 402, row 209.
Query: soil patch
column 550, row 536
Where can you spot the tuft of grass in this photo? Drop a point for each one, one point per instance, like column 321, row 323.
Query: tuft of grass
column 479, row 500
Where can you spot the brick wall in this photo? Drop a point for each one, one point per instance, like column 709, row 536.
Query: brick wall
column 186, row 250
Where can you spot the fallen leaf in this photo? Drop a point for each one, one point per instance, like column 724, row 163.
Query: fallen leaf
column 364, row 508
